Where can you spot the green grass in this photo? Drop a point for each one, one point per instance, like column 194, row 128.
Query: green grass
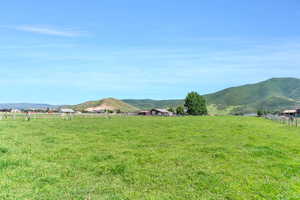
column 149, row 158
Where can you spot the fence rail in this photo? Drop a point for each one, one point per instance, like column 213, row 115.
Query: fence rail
column 290, row 121
column 30, row 116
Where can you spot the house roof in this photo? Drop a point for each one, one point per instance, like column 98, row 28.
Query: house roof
column 161, row 110
column 289, row 111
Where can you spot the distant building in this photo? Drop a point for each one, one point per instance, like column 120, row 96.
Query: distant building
column 155, row 112
column 66, row 110
column 161, row 112
column 15, row 111
column 291, row 113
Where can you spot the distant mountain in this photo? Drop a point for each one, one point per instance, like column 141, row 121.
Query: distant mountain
column 108, row 103
column 274, row 94
column 26, row 106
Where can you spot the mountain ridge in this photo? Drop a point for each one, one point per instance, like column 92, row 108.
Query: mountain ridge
column 273, row 94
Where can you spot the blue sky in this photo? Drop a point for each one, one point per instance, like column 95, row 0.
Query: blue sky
column 66, row 52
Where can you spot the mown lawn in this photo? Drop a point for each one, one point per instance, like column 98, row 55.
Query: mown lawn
column 149, row 158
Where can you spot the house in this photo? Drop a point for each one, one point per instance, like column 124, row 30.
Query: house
column 15, row 111
column 161, row 112
column 291, row 113
column 155, row 112
column 66, row 110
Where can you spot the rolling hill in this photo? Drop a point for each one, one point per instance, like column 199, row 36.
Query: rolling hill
column 108, row 103
column 149, row 103
column 273, row 94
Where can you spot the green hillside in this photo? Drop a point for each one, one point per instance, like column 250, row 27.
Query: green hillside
column 274, row 94
column 115, row 104
column 149, row 103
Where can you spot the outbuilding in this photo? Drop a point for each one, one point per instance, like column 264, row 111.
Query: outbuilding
column 161, row 112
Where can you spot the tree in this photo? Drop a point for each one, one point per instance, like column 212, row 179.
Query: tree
column 195, row 104
column 180, row 110
column 260, row 113
column 171, row 110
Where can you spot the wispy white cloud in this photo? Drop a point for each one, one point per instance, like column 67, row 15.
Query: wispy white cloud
column 47, row 30
column 36, row 46
column 50, row 31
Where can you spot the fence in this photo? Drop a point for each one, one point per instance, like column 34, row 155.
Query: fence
column 290, row 121
column 64, row 116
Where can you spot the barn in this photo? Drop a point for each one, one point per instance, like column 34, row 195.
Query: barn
column 161, row 112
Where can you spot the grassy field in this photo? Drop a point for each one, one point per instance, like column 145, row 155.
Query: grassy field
column 149, row 158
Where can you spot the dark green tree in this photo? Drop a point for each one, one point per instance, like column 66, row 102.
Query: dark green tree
column 171, row 110
column 195, row 104
column 180, row 110
column 260, row 113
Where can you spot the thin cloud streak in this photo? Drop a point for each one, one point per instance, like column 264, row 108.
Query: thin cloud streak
column 45, row 30
column 49, row 31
